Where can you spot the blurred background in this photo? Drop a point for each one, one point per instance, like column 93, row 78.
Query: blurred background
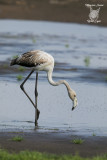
column 60, row 28
column 51, row 10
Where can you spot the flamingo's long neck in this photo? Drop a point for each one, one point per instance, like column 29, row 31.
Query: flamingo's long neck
column 49, row 74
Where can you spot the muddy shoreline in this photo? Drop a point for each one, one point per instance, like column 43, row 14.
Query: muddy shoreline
column 49, row 10
column 57, row 143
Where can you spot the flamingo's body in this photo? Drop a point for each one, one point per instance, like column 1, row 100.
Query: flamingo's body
column 41, row 61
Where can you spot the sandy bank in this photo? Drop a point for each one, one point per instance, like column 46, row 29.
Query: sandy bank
column 54, row 143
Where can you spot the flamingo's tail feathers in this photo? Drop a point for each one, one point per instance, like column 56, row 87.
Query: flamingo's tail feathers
column 13, row 62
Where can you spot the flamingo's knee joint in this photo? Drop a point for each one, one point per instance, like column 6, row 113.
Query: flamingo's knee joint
column 21, row 86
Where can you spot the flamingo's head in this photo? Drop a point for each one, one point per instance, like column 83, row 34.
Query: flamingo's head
column 73, row 97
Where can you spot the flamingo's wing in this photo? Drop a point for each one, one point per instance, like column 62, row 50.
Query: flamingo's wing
column 31, row 59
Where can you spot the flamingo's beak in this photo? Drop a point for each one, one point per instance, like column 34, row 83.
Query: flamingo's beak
column 75, row 103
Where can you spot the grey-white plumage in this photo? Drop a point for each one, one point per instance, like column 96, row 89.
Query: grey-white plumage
column 37, row 59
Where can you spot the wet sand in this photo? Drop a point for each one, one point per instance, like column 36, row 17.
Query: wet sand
column 50, row 10
column 57, row 143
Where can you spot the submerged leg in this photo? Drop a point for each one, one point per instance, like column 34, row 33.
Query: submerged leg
column 37, row 112
column 21, row 86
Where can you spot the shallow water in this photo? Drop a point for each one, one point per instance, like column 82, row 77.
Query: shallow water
column 80, row 53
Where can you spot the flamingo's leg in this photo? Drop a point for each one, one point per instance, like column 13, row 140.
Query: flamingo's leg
column 21, row 86
column 37, row 112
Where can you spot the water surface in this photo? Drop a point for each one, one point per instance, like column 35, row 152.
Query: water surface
column 80, row 53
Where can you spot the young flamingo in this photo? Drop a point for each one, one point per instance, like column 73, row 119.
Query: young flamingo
column 41, row 61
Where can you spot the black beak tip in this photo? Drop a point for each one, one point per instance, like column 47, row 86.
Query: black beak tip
column 72, row 108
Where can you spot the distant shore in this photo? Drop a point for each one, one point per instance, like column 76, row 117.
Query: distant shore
column 51, row 10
